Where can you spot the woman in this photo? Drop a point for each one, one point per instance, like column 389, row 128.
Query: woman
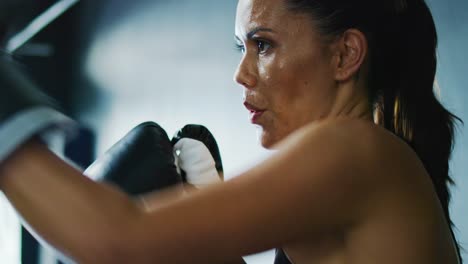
column 344, row 91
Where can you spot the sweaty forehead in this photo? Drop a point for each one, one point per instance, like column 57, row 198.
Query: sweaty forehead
column 255, row 13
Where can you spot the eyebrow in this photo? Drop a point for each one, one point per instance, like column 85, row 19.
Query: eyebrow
column 255, row 31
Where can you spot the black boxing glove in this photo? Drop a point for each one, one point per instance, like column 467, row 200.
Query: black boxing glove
column 198, row 156
column 25, row 111
column 139, row 163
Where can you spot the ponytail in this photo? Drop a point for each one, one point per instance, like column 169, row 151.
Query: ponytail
column 403, row 86
column 407, row 104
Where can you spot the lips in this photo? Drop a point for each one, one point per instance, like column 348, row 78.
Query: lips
column 255, row 112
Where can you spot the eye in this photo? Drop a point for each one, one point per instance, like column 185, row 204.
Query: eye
column 263, row 46
column 239, row 47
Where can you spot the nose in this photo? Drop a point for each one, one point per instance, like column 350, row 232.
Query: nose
column 245, row 74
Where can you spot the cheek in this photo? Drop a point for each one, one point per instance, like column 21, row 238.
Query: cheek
column 305, row 80
column 277, row 75
column 296, row 90
column 286, row 83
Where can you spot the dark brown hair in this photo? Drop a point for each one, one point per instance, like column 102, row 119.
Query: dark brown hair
column 402, row 42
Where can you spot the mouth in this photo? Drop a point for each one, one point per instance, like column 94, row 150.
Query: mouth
column 255, row 112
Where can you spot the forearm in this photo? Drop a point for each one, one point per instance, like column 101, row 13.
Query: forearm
column 68, row 210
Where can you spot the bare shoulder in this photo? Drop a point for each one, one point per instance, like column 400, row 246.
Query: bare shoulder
column 372, row 156
column 345, row 143
column 353, row 140
column 373, row 186
column 400, row 208
column 355, row 159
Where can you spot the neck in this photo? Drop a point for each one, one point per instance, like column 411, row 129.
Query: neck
column 352, row 101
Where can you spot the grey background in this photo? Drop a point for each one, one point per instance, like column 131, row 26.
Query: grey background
column 173, row 62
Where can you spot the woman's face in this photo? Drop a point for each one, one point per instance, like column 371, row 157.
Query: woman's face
column 285, row 68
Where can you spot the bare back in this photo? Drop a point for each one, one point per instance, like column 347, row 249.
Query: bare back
column 403, row 222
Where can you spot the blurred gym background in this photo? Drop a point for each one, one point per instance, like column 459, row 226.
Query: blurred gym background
column 114, row 64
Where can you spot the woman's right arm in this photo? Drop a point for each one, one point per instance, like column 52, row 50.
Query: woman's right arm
column 79, row 217
column 297, row 193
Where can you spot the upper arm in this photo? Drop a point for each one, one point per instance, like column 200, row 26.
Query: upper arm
column 314, row 183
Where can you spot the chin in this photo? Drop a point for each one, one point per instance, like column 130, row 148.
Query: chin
column 266, row 144
column 268, row 140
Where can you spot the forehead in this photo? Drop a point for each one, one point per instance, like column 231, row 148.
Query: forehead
column 265, row 13
column 259, row 8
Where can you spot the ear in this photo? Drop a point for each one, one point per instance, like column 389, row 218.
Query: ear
column 351, row 51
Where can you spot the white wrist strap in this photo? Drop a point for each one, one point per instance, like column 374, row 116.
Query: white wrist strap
column 30, row 122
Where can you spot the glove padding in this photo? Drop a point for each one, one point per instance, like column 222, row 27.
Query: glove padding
column 198, row 156
column 201, row 133
column 141, row 162
column 25, row 111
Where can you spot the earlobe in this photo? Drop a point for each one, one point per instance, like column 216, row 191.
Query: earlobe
column 352, row 49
